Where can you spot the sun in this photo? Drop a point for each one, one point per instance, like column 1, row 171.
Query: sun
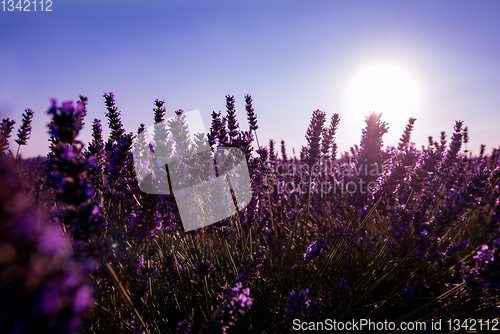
column 384, row 88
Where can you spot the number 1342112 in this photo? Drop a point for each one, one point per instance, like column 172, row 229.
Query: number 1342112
column 27, row 5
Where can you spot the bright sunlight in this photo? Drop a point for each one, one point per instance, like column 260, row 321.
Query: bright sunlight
column 386, row 88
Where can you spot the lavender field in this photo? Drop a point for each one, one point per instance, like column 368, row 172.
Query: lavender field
column 387, row 234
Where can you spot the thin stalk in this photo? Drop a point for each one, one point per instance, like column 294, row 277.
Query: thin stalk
column 125, row 295
column 111, row 314
column 17, row 154
column 205, row 288
column 437, row 300
column 307, row 206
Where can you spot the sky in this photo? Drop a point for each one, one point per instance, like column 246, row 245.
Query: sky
column 292, row 57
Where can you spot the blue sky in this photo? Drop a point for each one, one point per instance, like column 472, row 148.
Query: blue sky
column 293, row 57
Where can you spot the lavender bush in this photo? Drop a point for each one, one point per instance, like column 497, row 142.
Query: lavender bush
column 396, row 234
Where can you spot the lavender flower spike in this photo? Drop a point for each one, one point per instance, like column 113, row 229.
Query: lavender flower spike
column 314, row 250
column 24, row 132
column 313, row 136
column 252, row 117
column 5, row 131
column 42, row 289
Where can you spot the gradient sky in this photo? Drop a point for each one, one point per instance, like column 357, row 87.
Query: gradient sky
column 293, row 57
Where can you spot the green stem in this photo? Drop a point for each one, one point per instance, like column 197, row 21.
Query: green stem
column 125, row 295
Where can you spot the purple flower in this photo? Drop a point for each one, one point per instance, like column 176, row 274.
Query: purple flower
column 42, row 289
column 180, row 132
column 203, row 268
column 314, row 250
column 5, row 131
column 95, row 156
column 183, row 327
column 252, row 117
column 114, row 117
column 25, row 130
column 410, row 290
column 328, row 138
column 235, row 303
column 250, row 271
column 66, row 121
column 328, row 299
column 232, row 124
column 159, row 111
column 242, row 299
column 297, row 305
column 217, row 135
column 456, row 143
column 69, row 172
column 135, row 326
column 283, row 151
column 371, row 142
column 313, row 136
column 485, row 275
column 405, row 138
column 84, row 101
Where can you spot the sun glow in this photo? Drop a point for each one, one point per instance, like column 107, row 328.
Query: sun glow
column 385, row 88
